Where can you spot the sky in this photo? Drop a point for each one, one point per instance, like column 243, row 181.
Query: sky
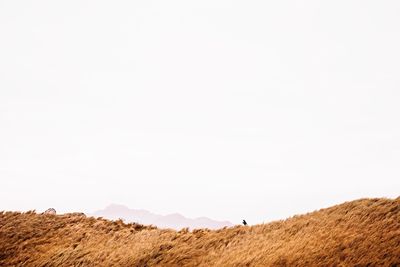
column 255, row 110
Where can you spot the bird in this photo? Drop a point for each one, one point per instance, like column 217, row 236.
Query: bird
column 244, row 222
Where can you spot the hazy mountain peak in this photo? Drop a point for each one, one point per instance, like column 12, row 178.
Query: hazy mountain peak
column 173, row 220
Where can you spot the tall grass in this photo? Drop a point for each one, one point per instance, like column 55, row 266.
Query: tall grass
column 364, row 232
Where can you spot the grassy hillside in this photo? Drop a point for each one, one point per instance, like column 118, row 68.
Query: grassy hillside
column 360, row 233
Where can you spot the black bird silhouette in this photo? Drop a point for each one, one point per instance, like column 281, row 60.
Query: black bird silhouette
column 244, row 222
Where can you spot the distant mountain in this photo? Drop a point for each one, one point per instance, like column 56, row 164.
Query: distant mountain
column 174, row 221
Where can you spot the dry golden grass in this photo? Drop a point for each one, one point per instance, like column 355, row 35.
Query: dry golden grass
column 360, row 233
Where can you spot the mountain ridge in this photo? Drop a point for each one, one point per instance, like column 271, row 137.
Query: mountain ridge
column 173, row 220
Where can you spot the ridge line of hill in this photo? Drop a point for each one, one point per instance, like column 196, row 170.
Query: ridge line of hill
column 364, row 232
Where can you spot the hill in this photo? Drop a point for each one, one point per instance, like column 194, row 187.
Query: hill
column 174, row 221
column 364, row 232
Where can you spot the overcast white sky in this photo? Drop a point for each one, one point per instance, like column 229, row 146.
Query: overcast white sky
column 226, row 109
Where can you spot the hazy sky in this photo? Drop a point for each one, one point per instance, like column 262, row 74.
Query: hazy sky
column 226, row 109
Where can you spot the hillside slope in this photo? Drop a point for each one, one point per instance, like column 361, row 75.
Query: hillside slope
column 364, row 232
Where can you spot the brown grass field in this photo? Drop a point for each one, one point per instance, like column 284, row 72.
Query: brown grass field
column 364, row 232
